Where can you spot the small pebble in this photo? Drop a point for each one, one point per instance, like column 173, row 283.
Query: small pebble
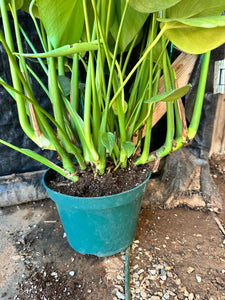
column 169, row 274
column 191, row 296
column 143, row 295
column 152, row 272
column 190, row 270
column 54, row 274
column 119, row 287
column 166, row 296
column 119, row 277
column 198, row 278
column 71, row 273
column 162, row 272
column 163, row 277
column 120, row 295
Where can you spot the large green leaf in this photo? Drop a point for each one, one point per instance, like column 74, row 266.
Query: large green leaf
column 196, row 8
column 196, row 35
column 203, row 22
column 148, row 6
column 63, row 20
column 132, row 24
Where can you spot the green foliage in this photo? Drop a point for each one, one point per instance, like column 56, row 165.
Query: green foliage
column 134, row 22
column 65, row 84
column 128, row 148
column 121, row 48
column 66, row 50
column 42, row 159
column 195, row 9
column 196, row 26
column 196, row 35
column 170, row 95
column 152, row 5
column 108, row 140
column 63, row 20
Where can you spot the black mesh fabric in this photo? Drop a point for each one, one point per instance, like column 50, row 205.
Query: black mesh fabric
column 10, row 160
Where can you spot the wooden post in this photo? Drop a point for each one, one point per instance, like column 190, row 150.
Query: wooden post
column 218, row 135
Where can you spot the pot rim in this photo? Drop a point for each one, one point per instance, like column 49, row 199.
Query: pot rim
column 100, row 197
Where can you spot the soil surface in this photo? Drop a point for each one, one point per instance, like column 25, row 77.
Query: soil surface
column 177, row 254
column 93, row 185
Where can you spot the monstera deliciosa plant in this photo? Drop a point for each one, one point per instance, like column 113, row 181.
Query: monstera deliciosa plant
column 121, row 46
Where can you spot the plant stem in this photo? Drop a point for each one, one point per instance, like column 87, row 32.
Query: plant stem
column 193, row 127
column 8, row 45
column 167, row 147
column 36, row 25
column 54, row 92
column 74, row 94
column 89, row 92
column 148, row 132
column 137, row 65
column 102, row 150
column 61, row 70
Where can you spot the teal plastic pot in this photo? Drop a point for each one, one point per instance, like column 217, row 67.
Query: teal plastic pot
column 101, row 226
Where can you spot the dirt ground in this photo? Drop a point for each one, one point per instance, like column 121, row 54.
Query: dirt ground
column 177, row 254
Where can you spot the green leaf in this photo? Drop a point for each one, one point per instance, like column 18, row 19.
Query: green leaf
column 170, row 95
column 203, row 22
column 196, row 8
column 196, row 35
column 65, row 84
column 133, row 23
column 124, row 106
column 63, row 20
column 148, row 6
column 108, row 140
column 79, row 123
column 41, row 159
column 64, row 50
column 128, row 148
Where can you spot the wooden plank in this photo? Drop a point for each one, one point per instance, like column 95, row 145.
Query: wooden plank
column 218, row 135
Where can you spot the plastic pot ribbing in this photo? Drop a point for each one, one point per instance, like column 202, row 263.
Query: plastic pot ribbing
column 100, row 226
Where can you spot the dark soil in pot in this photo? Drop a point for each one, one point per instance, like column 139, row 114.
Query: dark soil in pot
column 91, row 185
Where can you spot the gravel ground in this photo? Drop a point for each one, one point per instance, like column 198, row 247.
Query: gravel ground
column 156, row 280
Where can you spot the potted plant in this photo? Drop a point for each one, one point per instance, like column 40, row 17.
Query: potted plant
column 104, row 60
